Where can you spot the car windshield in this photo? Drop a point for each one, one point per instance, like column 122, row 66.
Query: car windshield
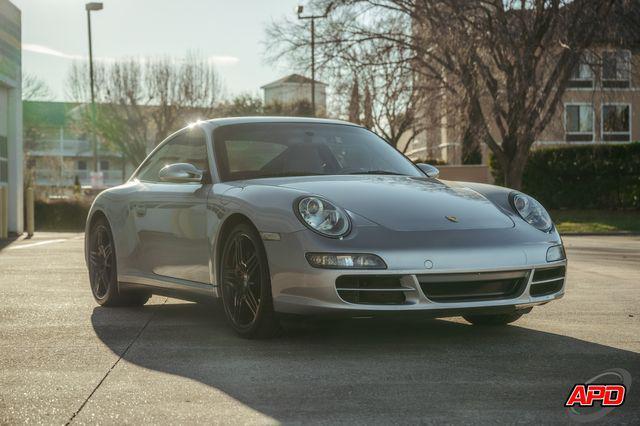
column 261, row 150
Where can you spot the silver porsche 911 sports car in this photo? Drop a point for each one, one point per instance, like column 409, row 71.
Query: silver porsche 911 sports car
column 279, row 216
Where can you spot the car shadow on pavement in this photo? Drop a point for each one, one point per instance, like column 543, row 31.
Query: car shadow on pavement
column 370, row 371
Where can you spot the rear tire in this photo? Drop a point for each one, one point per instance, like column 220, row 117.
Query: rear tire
column 245, row 285
column 494, row 320
column 103, row 269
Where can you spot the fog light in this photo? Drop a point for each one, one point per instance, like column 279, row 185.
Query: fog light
column 345, row 261
column 555, row 253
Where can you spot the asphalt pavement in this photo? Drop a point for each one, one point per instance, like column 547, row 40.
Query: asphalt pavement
column 63, row 359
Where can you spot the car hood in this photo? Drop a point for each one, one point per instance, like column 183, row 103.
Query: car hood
column 402, row 203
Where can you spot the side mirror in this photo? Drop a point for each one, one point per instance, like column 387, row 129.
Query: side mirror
column 429, row 170
column 180, row 173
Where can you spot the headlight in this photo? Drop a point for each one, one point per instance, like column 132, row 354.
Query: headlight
column 531, row 211
column 323, row 217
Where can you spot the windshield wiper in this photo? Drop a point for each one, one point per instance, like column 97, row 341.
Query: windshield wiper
column 375, row 172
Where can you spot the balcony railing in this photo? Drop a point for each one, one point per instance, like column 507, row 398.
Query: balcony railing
column 68, row 148
column 66, row 177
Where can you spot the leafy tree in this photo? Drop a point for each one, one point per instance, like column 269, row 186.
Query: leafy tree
column 249, row 105
column 354, row 103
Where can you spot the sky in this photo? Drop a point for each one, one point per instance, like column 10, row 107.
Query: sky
column 231, row 33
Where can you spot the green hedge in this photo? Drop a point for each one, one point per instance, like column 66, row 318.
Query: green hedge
column 61, row 215
column 432, row 161
column 581, row 177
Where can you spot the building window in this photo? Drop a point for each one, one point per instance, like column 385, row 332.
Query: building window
column 582, row 74
column 82, row 165
column 578, row 123
column 616, row 123
column 615, row 69
column 104, row 165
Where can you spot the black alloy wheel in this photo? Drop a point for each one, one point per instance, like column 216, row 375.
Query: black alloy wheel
column 101, row 261
column 245, row 284
column 103, row 273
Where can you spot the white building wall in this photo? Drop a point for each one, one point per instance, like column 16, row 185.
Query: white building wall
column 11, row 111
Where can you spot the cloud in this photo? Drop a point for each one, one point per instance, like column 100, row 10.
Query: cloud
column 223, row 60
column 44, row 50
column 36, row 48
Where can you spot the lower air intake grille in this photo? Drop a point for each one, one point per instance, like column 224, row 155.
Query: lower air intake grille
column 473, row 286
column 547, row 281
column 548, row 273
column 371, row 289
column 546, row 288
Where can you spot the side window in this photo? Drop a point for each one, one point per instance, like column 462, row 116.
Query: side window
column 582, row 74
column 616, row 122
column 615, row 68
column 187, row 147
column 578, row 123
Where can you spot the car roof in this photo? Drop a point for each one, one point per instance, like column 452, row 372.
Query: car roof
column 244, row 120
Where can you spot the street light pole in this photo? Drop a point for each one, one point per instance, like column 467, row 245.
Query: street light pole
column 313, row 18
column 313, row 67
column 92, row 7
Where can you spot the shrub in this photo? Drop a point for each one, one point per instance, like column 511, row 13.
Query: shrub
column 581, row 177
column 61, row 215
column 432, row 161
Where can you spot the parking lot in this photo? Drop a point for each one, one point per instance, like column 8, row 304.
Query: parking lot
column 64, row 359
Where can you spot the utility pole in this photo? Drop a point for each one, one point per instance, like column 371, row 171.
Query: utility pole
column 313, row 18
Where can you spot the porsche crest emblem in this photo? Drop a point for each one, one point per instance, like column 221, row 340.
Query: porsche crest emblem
column 452, row 219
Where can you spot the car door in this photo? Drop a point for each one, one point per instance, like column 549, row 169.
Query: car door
column 170, row 218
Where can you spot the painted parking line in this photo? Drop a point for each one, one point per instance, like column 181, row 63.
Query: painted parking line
column 40, row 243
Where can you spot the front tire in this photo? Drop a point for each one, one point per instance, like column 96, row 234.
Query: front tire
column 103, row 269
column 497, row 319
column 245, row 284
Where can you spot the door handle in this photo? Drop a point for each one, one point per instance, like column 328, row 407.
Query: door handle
column 140, row 209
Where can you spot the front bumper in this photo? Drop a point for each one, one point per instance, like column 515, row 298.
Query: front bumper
column 301, row 289
column 320, row 297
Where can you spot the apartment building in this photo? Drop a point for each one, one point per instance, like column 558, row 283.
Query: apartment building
column 295, row 88
column 59, row 152
column 600, row 105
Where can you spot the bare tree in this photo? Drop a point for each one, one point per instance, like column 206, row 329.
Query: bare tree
column 35, row 89
column 391, row 99
column 509, row 62
column 394, row 100
column 139, row 102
